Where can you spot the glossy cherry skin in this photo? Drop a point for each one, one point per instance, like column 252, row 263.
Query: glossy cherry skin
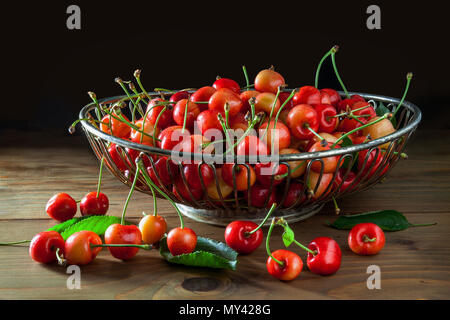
column 123, row 234
column 325, row 114
column 194, row 178
column 369, row 111
column 252, row 145
column 118, row 128
column 298, row 167
column 238, row 238
column 203, row 95
column 179, row 109
column 172, row 136
column 276, row 137
column 266, row 172
column 161, row 171
column 93, row 205
column 291, row 268
column 293, row 194
column 224, row 188
column 228, row 84
column 180, row 191
column 43, row 246
column 374, row 160
column 283, row 97
column 180, row 95
column 329, row 163
column 299, row 118
column 208, row 120
column 243, row 175
column 181, row 241
column 238, row 122
column 154, row 110
column 366, row 239
column 78, row 248
column 328, row 258
column 225, row 96
column 333, row 95
column 324, row 182
column 268, row 80
column 116, row 158
column 245, row 97
column 349, row 180
column 348, row 102
column 307, row 95
column 259, row 195
column 148, row 128
column 152, row 228
column 267, row 102
column 61, row 207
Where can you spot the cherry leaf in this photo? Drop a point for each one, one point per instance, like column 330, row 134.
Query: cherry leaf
column 288, row 236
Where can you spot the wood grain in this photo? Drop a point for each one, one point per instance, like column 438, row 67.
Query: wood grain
column 415, row 264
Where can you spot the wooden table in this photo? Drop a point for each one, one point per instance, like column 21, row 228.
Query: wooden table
column 415, row 263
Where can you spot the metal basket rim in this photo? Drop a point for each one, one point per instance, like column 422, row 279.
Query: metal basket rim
column 417, row 116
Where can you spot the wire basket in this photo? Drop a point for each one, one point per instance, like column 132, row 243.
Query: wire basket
column 238, row 205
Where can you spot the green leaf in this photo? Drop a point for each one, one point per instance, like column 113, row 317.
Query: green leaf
column 382, row 110
column 97, row 224
column 208, row 253
column 288, row 236
column 388, row 220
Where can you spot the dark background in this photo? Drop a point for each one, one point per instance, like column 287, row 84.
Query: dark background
column 47, row 69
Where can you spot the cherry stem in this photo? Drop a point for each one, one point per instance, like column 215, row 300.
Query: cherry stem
column 121, row 83
column 93, row 96
column 141, row 246
column 136, row 176
column 185, row 115
column 408, row 81
column 271, row 111
column 137, row 75
column 314, row 132
column 284, row 175
column 272, row 224
column 316, row 83
column 149, row 182
column 272, row 208
column 157, row 121
column 251, row 102
column 100, row 176
column 366, row 238
column 359, row 128
column 333, row 60
column 72, row 126
column 138, row 101
column 336, row 207
column 254, row 122
column 60, row 258
column 13, row 242
column 247, row 82
column 282, row 106
column 305, row 248
column 225, row 130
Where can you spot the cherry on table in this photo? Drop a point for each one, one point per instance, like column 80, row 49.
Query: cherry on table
column 44, row 245
column 123, row 234
column 291, row 266
column 61, row 207
column 366, row 239
column 327, row 257
column 79, row 248
column 238, row 237
column 152, row 227
column 181, row 241
column 91, row 204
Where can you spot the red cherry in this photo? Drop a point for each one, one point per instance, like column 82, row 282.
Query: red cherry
column 161, row 171
column 291, row 268
column 180, row 191
column 181, row 241
column 293, row 194
column 179, row 109
column 78, row 248
column 43, row 246
column 368, row 112
column 207, row 120
column 238, row 238
column 325, row 115
column 93, row 205
column 268, row 80
column 118, row 128
column 276, row 137
column 225, row 96
column 307, row 95
column 349, row 179
column 327, row 259
column 123, row 234
column 348, row 102
column 116, row 158
column 245, row 96
column 259, row 195
column 241, row 175
column 228, row 84
column 61, row 207
column 180, row 95
column 238, row 121
column 329, row 163
column 334, row 96
column 374, row 160
column 252, row 145
column 166, row 118
column 267, row 102
column 299, row 118
column 266, row 172
column 366, row 239
column 173, row 136
column 191, row 172
column 283, row 97
column 203, row 95
column 148, row 128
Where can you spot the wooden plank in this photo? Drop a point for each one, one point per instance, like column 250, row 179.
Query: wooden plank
column 415, row 264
